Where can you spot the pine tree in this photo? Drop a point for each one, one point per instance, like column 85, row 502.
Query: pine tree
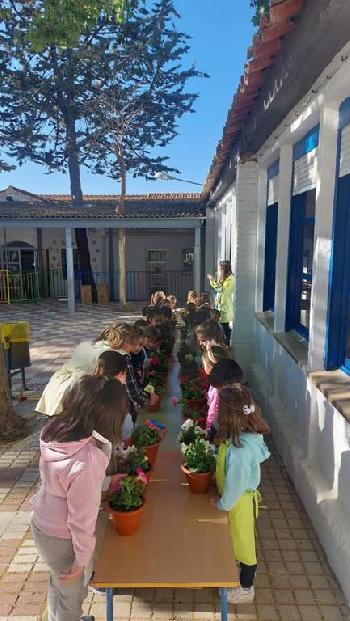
column 139, row 105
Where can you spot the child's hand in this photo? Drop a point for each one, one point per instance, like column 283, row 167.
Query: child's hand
column 116, row 478
column 73, row 574
column 213, row 500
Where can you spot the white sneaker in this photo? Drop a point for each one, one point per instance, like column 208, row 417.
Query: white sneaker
column 239, row 595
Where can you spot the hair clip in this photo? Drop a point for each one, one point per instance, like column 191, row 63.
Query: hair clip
column 249, row 410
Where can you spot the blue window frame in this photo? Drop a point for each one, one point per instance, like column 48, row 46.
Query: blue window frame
column 271, row 228
column 338, row 332
column 301, row 246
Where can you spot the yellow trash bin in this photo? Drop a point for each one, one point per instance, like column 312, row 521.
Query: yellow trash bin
column 15, row 337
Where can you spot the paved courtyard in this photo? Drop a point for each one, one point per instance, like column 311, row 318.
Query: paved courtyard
column 294, row 580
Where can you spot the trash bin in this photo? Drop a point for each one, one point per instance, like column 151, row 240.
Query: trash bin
column 15, row 337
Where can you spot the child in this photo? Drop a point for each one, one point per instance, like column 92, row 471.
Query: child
column 204, row 299
column 226, row 372
column 82, row 362
column 75, row 449
column 173, row 302
column 215, row 316
column 137, row 355
column 241, row 451
column 209, row 332
column 128, row 340
column 157, row 297
column 211, row 357
column 154, row 316
column 151, row 341
column 141, row 323
column 193, row 297
column 112, row 364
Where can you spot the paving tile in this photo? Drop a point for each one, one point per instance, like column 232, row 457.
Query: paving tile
column 310, row 613
column 266, row 612
column 331, row 613
column 289, row 613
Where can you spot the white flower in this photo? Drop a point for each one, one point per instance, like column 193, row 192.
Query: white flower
column 183, row 448
column 187, row 424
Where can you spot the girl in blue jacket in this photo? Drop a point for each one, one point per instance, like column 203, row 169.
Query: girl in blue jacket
column 241, row 451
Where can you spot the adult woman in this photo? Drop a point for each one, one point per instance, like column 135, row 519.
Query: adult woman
column 223, row 286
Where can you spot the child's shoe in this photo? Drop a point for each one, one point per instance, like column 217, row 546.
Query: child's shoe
column 240, row 595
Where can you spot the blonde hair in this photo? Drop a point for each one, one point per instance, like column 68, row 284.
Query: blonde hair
column 117, row 335
column 157, row 297
column 193, row 297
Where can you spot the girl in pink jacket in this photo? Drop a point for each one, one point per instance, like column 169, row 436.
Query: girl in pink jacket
column 211, row 356
column 75, row 449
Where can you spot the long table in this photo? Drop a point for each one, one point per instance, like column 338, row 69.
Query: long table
column 183, row 542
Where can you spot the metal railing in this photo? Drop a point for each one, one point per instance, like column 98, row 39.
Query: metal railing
column 53, row 283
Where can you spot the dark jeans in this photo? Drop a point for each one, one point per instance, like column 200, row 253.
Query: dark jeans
column 227, row 332
column 247, row 575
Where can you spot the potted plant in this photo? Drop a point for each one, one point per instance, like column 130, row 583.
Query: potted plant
column 196, row 414
column 193, row 396
column 150, row 388
column 126, row 504
column 189, row 431
column 131, row 461
column 147, row 437
column 199, row 465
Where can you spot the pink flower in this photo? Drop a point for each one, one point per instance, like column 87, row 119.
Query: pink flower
column 115, row 488
column 174, row 401
column 155, row 361
column 151, row 425
column 141, row 476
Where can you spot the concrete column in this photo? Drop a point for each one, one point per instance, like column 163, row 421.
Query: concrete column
column 285, row 195
column 260, row 253
column 209, row 245
column 197, row 259
column 70, row 272
column 111, row 265
column 244, row 262
column 326, row 178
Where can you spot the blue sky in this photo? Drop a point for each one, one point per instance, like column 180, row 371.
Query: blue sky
column 221, row 32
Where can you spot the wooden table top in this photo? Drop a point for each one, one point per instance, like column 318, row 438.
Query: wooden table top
column 182, row 540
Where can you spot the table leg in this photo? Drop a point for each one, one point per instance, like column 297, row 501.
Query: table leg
column 223, row 602
column 109, row 604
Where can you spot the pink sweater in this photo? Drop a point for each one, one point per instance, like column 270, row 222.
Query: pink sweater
column 213, row 407
column 68, row 501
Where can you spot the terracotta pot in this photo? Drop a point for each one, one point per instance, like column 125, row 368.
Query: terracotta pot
column 151, row 452
column 199, row 482
column 155, row 407
column 195, row 404
column 281, row 12
column 126, row 522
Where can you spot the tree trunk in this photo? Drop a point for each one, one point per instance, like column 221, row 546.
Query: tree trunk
column 122, row 235
column 81, row 237
column 11, row 426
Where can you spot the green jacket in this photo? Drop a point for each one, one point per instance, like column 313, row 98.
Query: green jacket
column 224, row 298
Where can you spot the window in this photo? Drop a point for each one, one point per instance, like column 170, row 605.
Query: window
column 156, row 256
column 271, row 237
column 187, row 260
column 338, row 333
column 76, row 264
column 301, row 237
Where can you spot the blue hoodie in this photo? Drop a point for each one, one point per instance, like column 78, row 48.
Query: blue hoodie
column 243, row 469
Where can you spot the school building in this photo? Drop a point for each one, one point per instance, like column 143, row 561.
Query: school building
column 278, row 206
column 37, row 242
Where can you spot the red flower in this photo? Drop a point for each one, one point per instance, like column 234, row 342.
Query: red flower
column 155, row 362
column 174, row 401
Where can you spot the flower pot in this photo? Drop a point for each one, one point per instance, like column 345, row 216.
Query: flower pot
column 195, row 404
column 126, row 522
column 281, row 12
column 199, row 482
column 151, row 452
column 155, row 407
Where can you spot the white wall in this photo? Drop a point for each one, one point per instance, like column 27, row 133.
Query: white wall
column 312, row 437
